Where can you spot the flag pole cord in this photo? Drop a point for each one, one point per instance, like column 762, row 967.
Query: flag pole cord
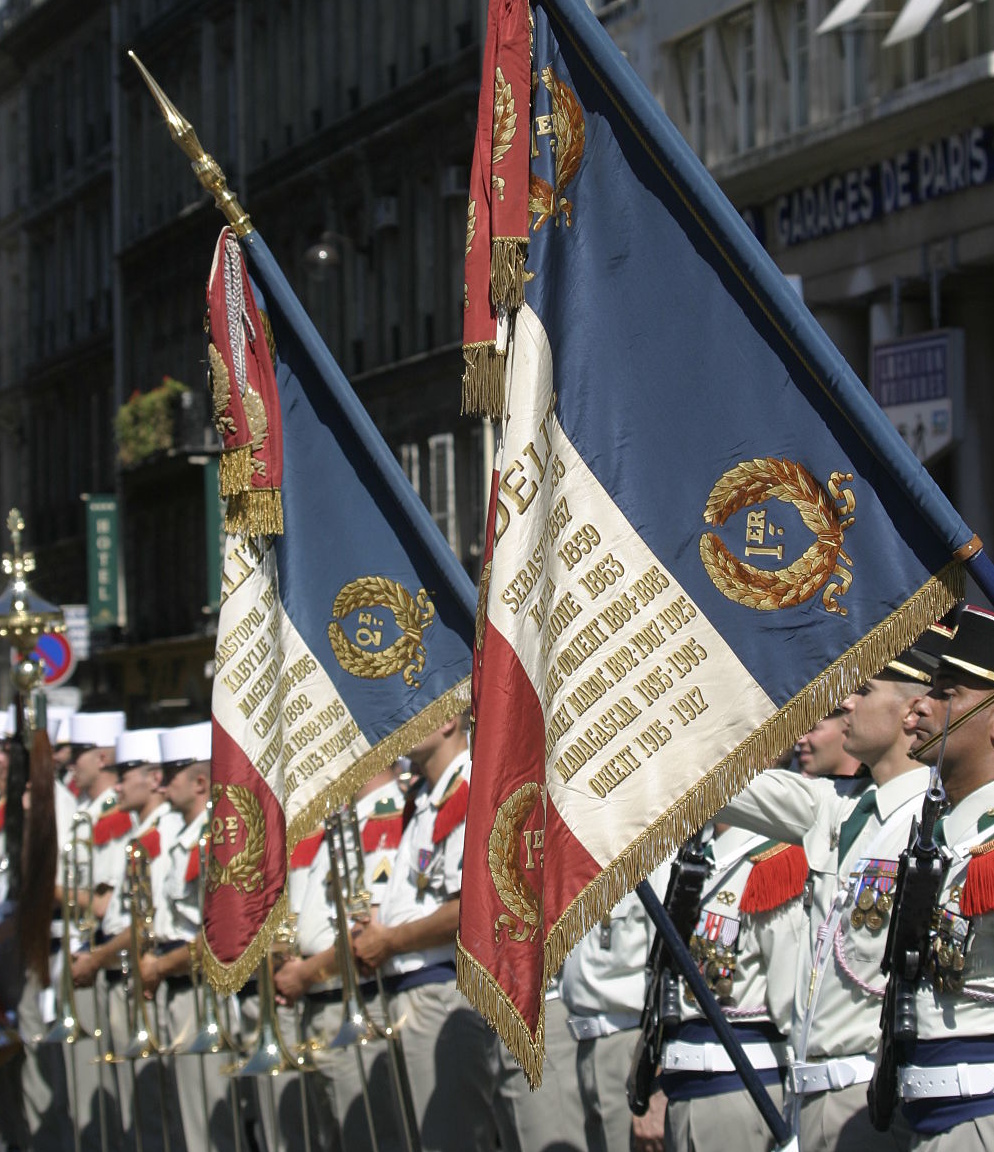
column 709, row 1006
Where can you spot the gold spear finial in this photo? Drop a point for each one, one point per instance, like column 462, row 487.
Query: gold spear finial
column 205, row 167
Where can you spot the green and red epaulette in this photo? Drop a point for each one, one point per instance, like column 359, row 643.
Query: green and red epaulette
column 451, row 810
column 151, row 841
column 303, row 855
column 779, row 873
column 3, row 814
column 977, row 896
column 382, row 830
column 112, row 826
column 193, row 865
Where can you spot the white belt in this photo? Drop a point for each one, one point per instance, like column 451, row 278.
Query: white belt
column 680, row 1056
column 603, row 1024
column 829, row 1075
column 917, row 1083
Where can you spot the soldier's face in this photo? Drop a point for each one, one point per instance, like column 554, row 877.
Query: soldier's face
column 134, row 788
column 873, row 720
column 820, row 751
column 956, row 694
column 86, row 768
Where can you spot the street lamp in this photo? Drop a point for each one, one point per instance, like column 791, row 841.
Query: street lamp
column 24, row 616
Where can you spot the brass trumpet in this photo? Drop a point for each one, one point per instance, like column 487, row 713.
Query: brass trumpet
column 352, row 899
column 138, row 895
column 67, row 1028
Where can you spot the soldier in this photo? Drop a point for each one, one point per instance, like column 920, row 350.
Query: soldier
column 852, row 843
column 820, row 751
column 948, row 1086
column 93, row 737
column 139, row 772
column 313, row 976
column 603, row 989
column 204, row 1103
column 746, row 943
column 549, row 1119
column 450, row 1051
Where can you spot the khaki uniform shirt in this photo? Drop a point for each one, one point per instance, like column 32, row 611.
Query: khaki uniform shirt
column 846, row 1013
column 947, row 1013
column 757, row 953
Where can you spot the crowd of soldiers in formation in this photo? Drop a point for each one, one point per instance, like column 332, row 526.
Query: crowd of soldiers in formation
column 362, row 1041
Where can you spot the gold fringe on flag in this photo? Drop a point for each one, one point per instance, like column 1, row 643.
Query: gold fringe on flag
column 491, row 1001
column 507, row 272
column 257, row 512
column 227, row 979
column 483, row 380
column 727, row 778
column 380, row 756
column 235, row 470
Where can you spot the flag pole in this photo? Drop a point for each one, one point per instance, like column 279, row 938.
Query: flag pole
column 712, row 1012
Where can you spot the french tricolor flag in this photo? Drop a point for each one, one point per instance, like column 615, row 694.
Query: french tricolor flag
column 702, row 532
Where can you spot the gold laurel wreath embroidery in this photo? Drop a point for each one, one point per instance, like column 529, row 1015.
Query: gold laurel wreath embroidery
column 749, row 483
column 544, row 201
column 481, row 604
column 242, row 870
column 516, row 894
column 220, row 385
column 470, row 234
column 505, row 119
column 412, row 617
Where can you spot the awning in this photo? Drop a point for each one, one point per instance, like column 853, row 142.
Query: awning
column 842, row 13
column 914, row 16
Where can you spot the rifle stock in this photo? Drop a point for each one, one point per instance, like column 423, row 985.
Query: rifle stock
column 661, row 1010
column 920, row 875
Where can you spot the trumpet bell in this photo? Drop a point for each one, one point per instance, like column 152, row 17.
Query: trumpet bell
column 356, row 1027
column 68, row 1030
column 272, row 1057
column 141, row 1047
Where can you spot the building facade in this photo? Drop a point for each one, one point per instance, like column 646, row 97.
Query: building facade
column 345, row 127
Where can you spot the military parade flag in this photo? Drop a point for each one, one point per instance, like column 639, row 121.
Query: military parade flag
column 346, row 622
column 702, row 531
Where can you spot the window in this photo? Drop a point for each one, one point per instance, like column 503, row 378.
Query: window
column 410, row 461
column 800, row 72
column 442, row 484
column 747, row 84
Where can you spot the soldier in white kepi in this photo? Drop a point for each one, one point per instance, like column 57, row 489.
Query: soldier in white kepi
column 204, row 1097
column 99, row 820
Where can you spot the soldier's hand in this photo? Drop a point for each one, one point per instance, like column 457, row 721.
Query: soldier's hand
column 648, row 1130
column 149, row 969
column 84, row 970
column 292, row 980
column 371, row 946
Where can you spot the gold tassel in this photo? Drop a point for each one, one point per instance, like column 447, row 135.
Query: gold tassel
column 257, row 512
column 227, row 979
column 483, row 380
column 507, row 272
column 235, row 470
column 492, row 1002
